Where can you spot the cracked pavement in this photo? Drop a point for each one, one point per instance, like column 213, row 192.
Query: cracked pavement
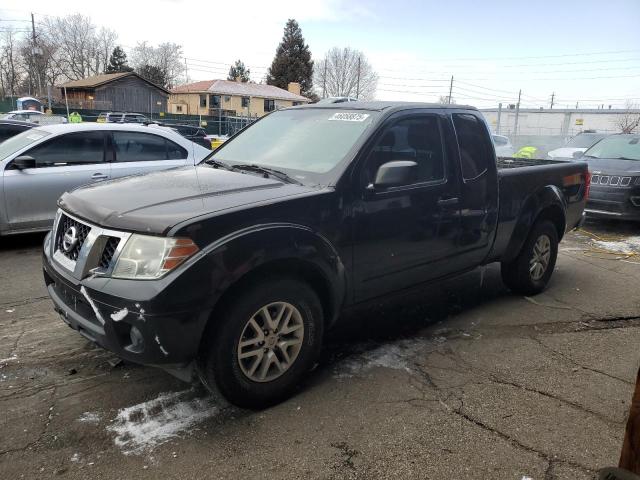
column 459, row 380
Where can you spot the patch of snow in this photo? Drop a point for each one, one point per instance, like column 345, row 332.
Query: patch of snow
column 8, row 359
column 83, row 291
column 89, row 417
column 628, row 245
column 75, row 457
column 10, row 310
column 120, row 314
column 397, row 355
column 144, row 426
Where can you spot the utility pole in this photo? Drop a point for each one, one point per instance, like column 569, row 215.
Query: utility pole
column 186, row 71
column 552, row 97
column 324, row 79
column 450, row 90
column 35, row 53
column 515, row 126
column 358, row 84
column 498, row 121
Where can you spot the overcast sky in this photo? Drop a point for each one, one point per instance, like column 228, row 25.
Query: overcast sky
column 586, row 51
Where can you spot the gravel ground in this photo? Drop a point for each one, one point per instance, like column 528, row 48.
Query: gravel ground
column 462, row 380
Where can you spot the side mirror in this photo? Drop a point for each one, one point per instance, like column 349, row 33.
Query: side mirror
column 577, row 154
column 395, row 174
column 24, row 161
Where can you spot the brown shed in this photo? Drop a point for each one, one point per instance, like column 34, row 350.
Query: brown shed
column 124, row 92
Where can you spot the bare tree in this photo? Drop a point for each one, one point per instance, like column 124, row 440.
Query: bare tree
column 10, row 68
column 446, row 99
column 166, row 58
column 345, row 72
column 629, row 120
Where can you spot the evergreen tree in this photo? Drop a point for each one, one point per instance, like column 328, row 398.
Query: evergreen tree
column 155, row 75
column 118, row 62
column 292, row 62
column 238, row 70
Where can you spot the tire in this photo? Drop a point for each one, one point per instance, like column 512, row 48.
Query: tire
column 527, row 274
column 232, row 367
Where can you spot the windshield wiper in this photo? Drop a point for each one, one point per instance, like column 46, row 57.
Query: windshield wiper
column 252, row 167
column 218, row 164
column 624, row 158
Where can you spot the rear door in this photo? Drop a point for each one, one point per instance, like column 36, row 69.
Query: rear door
column 479, row 188
column 62, row 164
column 138, row 152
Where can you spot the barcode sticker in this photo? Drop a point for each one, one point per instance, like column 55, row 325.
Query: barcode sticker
column 349, row 117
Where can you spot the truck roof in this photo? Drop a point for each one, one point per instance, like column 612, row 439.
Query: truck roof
column 382, row 105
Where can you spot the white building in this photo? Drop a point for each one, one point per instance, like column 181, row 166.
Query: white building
column 560, row 121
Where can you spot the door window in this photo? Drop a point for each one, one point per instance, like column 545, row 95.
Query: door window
column 140, row 147
column 475, row 151
column 70, row 149
column 418, row 139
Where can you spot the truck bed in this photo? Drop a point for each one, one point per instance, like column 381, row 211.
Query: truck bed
column 511, row 162
column 523, row 183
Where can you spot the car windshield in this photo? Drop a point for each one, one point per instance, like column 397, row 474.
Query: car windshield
column 616, row 146
column 583, row 141
column 306, row 142
column 18, row 142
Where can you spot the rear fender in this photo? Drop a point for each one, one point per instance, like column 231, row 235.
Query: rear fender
column 548, row 199
column 239, row 254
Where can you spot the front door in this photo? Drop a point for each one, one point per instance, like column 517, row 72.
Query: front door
column 62, row 164
column 405, row 234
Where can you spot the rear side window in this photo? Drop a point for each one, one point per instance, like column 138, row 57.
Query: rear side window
column 475, row 151
column 8, row 131
column 141, row 147
column 72, row 148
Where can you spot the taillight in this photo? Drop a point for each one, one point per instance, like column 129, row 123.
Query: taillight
column 587, row 184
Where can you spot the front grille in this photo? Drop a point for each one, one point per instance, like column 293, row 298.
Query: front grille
column 613, row 181
column 108, row 252
column 65, row 226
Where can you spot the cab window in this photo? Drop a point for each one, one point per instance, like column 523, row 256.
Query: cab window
column 418, row 139
column 475, row 151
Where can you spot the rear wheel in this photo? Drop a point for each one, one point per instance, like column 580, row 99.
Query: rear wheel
column 262, row 344
column 530, row 271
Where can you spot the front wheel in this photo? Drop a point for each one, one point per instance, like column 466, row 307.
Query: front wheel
column 263, row 343
column 530, row 271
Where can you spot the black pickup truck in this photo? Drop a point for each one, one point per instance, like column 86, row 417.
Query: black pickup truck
column 235, row 268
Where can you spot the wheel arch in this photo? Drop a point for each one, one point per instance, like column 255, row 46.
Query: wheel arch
column 546, row 204
column 279, row 250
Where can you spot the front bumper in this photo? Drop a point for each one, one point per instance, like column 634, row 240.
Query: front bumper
column 614, row 202
column 143, row 322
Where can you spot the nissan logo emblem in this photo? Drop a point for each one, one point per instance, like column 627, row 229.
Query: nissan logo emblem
column 69, row 239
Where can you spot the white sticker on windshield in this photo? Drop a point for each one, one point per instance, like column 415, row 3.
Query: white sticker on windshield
column 350, row 116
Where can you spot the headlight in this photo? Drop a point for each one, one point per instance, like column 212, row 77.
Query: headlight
column 145, row 257
column 637, row 181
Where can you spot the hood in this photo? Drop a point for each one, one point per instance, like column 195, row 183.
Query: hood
column 157, row 201
column 612, row 165
column 565, row 152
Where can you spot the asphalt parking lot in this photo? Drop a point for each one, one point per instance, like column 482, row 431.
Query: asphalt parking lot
column 463, row 380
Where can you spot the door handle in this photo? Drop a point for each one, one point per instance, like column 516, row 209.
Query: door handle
column 444, row 202
column 99, row 176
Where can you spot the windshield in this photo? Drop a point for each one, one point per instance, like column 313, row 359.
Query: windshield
column 584, row 141
column 17, row 142
column 309, row 142
column 616, row 146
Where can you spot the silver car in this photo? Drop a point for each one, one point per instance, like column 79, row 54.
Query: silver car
column 38, row 165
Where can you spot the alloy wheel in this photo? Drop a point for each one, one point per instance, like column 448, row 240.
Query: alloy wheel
column 270, row 341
